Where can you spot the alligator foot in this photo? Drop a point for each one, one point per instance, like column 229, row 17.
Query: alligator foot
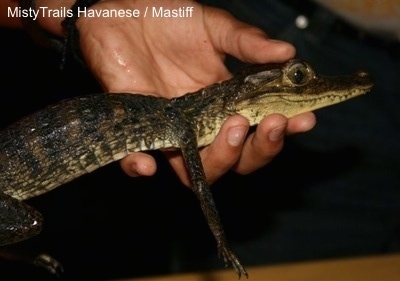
column 42, row 260
column 226, row 253
column 49, row 263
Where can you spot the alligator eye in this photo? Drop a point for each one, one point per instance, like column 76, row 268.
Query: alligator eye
column 298, row 73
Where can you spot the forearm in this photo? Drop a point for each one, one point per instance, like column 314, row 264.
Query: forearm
column 5, row 20
column 48, row 22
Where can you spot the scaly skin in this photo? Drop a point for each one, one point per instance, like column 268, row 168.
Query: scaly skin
column 66, row 140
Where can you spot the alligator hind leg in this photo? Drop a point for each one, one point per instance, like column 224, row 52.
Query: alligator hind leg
column 10, row 252
column 18, row 222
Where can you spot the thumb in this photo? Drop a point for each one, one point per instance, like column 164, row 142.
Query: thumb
column 245, row 42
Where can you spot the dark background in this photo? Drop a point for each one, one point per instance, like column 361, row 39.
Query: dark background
column 332, row 192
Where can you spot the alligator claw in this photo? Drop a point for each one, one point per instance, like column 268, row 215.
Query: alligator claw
column 229, row 257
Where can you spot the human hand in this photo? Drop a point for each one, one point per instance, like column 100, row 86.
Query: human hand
column 169, row 57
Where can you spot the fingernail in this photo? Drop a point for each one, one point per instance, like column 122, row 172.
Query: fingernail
column 236, row 135
column 277, row 133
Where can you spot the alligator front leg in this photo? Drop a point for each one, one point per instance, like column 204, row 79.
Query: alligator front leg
column 203, row 193
column 186, row 137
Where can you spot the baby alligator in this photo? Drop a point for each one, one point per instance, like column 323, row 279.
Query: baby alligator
column 76, row 136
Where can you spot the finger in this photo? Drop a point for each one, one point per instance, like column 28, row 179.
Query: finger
column 220, row 155
column 138, row 164
column 225, row 150
column 262, row 145
column 301, row 123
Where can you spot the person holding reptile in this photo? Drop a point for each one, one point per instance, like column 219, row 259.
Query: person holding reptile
column 169, row 57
